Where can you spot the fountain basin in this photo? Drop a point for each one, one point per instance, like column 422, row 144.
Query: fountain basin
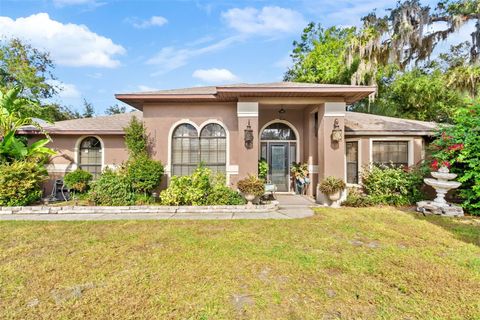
column 442, row 184
column 443, row 175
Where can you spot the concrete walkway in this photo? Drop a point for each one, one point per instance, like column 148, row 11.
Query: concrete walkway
column 290, row 207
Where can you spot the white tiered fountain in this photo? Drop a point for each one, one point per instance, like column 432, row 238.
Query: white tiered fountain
column 442, row 185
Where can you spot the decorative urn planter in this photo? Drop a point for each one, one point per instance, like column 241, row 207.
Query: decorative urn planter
column 249, row 198
column 334, row 196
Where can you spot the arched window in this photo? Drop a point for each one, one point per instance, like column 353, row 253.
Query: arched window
column 185, row 150
column 189, row 149
column 213, row 147
column 278, row 131
column 90, row 156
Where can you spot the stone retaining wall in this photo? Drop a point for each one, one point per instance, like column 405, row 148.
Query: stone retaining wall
column 136, row 209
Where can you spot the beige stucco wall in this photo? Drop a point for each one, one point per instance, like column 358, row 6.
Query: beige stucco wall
column 114, row 151
column 113, row 148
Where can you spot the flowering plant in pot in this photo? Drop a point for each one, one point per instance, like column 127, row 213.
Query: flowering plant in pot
column 251, row 187
column 332, row 187
column 299, row 172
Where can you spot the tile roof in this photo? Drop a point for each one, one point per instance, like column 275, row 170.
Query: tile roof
column 102, row 124
column 355, row 123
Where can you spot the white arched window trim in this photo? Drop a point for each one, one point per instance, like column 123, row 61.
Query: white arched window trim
column 297, row 135
column 229, row 170
column 77, row 150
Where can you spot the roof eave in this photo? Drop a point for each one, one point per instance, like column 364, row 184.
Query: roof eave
column 334, row 89
column 71, row 132
column 137, row 100
column 389, row 132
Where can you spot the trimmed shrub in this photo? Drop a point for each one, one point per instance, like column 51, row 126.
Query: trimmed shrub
column 20, row 183
column 356, row 198
column 112, row 189
column 78, row 180
column 199, row 188
column 144, row 173
column 392, row 186
column 223, row 195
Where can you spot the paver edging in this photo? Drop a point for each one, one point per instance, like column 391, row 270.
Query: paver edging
column 137, row 209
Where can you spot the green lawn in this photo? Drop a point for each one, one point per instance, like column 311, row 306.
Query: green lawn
column 345, row 263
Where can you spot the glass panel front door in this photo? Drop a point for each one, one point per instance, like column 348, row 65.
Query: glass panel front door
column 279, row 168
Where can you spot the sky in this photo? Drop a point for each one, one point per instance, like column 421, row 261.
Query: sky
column 103, row 47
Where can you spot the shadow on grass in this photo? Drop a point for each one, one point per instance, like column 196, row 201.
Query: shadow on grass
column 466, row 229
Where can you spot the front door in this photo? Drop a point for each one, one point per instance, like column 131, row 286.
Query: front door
column 279, row 165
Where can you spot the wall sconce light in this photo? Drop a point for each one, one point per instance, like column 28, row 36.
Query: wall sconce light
column 337, row 132
column 248, row 136
column 281, row 112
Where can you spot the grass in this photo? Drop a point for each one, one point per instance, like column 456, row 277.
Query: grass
column 345, row 263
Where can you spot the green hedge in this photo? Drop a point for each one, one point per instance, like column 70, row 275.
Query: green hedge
column 384, row 185
column 112, row 189
column 78, row 180
column 20, row 183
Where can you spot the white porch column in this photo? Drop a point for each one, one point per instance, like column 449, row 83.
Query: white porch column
column 247, row 112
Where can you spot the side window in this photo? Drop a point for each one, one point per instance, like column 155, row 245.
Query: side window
column 90, row 156
column 394, row 153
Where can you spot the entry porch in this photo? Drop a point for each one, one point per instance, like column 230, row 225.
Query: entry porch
column 288, row 131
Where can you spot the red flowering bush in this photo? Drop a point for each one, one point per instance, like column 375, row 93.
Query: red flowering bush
column 438, row 164
column 458, row 146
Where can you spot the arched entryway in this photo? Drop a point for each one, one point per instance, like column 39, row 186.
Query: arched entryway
column 278, row 146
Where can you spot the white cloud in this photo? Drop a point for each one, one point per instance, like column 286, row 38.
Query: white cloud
column 69, row 44
column 171, row 58
column 66, row 90
column 146, row 88
column 156, row 21
column 215, row 75
column 64, row 3
column 266, row 21
column 248, row 22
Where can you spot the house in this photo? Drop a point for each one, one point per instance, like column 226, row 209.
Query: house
column 229, row 128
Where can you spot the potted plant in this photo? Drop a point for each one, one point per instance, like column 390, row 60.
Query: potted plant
column 263, row 174
column 332, row 187
column 263, row 169
column 251, row 187
column 299, row 172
